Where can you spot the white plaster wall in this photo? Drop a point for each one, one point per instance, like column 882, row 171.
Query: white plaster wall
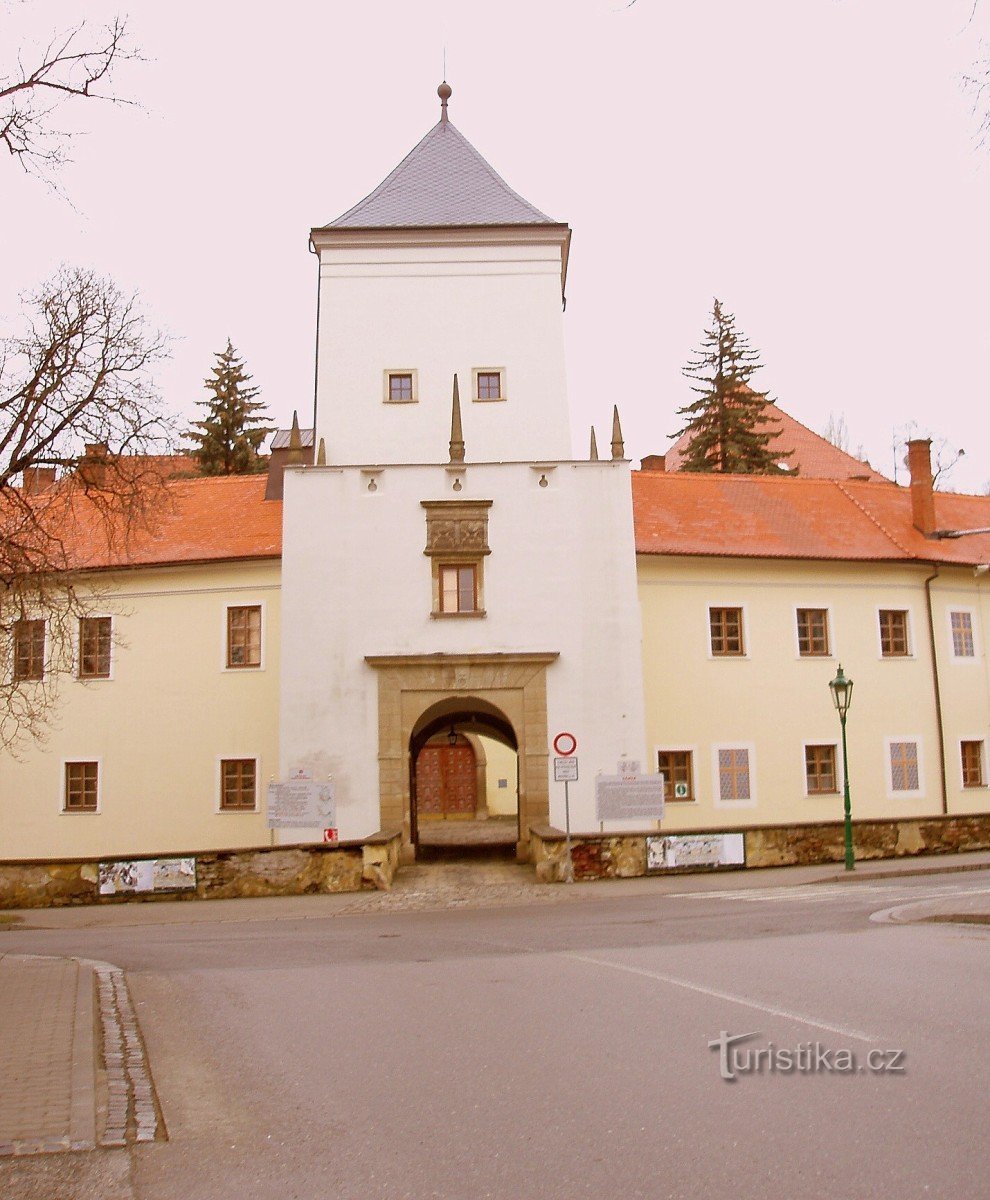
column 441, row 310
column 560, row 577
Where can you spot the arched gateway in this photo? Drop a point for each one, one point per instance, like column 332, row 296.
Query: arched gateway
column 421, row 697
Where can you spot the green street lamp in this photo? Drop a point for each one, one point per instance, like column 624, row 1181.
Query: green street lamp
column 841, row 689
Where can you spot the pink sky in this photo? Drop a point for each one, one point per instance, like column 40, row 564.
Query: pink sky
column 813, row 164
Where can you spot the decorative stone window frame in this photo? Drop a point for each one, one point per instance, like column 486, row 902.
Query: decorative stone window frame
column 476, row 387
column 387, row 389
column 457, row 535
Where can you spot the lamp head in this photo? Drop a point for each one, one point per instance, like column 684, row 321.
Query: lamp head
column 841, row 689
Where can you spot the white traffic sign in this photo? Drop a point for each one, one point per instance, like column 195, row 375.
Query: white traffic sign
column 565, row 770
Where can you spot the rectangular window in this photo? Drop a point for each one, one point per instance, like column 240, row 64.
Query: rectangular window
column 726, row 631
column 94, row 647
column 963, row 645
column 400, row 386
column 893, row 632
column 238, row 788
column 812, row 624
column 244, row 636
column 458, row 589
column 904, row 775
column 972, row 763
column 733, row 775
column 675, row 766
column 29, row 650
column 489, row 385
column 81, row 787
column 819, row 770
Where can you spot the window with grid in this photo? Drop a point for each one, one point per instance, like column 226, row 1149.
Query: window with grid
column 400, row 385
column 458, row 588
column 238, row 784
column 972, row 763
column 81, row 787
column 819, row 769
column 812, row 626
column 963, row 645
column 904, row 775
column 29, row 650
column 94, row 647
column 675, row 766
column 244, row 636
column 726, row 631
column 489, row 385
column 893, row 632
column 733, row 775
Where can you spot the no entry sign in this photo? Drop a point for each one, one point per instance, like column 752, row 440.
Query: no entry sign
column 565, row 744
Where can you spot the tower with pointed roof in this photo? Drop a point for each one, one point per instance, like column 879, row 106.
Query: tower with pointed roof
column 442, row 269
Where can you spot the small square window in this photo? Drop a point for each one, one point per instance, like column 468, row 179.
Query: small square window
column 812, row 625
column 726, row 631
column 458, row 588
column 244, row 636
column 400, row 387
column 678, row 781
column 238, row 785
column 904, row 775
column 81, row 787
column 972, row 763
column 488, row 385
column 95, row 635
column 963, row 645
column 819, row 770
column 29, row 650
column 733, row 775
column 893, row 633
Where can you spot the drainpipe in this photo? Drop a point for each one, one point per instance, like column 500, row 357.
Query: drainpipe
column 938, row 692
column 316, row 357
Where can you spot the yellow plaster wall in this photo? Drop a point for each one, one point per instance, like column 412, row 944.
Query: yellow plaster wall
column 158, row 727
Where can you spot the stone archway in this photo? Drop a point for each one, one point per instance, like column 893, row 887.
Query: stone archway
column 513, row 685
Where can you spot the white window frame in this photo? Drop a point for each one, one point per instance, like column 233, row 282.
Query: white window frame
column 909, row 611
column 827, row 609
column 745, row 632
column 904, row 794
column 390, row 371
column 502, row 387
column 968, row 787
column 45, row 663
column 670, row 748
column 77, row 654
column 750, row 749
column 839, row 777
column 247, row 603
column 963, row 658
column 218, row 785
column 81, row 812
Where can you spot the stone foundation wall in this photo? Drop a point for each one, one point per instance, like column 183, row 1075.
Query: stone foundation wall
column 220, row 874
column 607, row 856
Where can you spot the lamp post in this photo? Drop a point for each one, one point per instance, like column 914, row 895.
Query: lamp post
column 841, row 689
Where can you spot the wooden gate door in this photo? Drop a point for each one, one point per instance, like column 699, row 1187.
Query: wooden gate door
column 446, row 781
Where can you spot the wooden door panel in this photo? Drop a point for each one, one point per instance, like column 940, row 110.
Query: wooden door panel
column 446, row 781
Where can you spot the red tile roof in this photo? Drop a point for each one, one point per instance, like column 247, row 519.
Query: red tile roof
column 758, row 516
column 816, row 457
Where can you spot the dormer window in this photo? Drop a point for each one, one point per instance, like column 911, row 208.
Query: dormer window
column 401, row 387
column 489, row 383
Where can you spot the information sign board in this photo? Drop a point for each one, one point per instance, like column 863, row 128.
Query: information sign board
column 565, row 770
column 301, row 804
column 629, row 797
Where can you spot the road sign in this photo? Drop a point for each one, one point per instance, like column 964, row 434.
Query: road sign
column 565, row 744
column 565, row 770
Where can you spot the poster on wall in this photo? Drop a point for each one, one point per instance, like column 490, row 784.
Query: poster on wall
column 147, row 875
column 302, row 804
column 695, row 850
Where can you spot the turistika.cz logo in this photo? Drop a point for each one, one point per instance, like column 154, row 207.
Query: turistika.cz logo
column 806, row 1058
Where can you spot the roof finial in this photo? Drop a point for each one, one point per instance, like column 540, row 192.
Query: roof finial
column 594, row 446
column 321, row 457
column 444, row 92
column 295, row 454
column 456, row 433
column 618, row 448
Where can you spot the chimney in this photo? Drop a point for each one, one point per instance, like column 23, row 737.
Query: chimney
column 922, row 488
column 37, row 479
column 654, row 462
column 92, row 467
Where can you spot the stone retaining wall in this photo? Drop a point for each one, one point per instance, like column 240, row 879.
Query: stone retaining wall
column 220, row 874
column 604, row 855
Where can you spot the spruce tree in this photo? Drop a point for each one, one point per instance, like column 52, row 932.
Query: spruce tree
column 729, row 425
column 228, row 440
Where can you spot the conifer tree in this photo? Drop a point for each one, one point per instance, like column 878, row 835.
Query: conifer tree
column 228, row 440
column 729, row 425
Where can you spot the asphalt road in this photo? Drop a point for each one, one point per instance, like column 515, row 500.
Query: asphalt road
column 563, row 1050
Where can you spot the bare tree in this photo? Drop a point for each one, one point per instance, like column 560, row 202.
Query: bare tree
column 944, row 455
column 81, row 428
column 73, row 65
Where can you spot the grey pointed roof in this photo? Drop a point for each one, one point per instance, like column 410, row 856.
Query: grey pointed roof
column 441, row 181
